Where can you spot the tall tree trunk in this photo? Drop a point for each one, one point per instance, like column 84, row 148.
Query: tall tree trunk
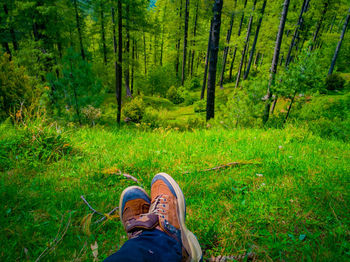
column 144, row 52
column 132, row 66
column 12, row 31
column 256, row 59
column 177, row 62
column 185, row 43
column 77, row 18
column 119, row 60
column 319, row 24
column 332, row 24
column 275, row 60
column 194, row 36
column 296, row 31
column 339, row 44
column 290, row 107
column 239, row 34
column 245, row 46
column 255, row 41
column 162, row 42
column 127, row 52
column 228, row 37
column 214, row 48
column 103, row 33
column 207, row 61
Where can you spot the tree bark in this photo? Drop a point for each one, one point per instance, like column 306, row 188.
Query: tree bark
column 275, row 60
column 290, row 107
column 296, row 31
column 228, row 37
column 12, row 31
column 132, row 66
column 77, row 18
column 206, row 62
column 118, row 62
column 339, row 44
column 239, row 34
column 319, row 24
column 144, row 52
column 255, row 41
column 238, row 78
column 214, row 48
column 185, row 43
column 103, row 34
column 127, row 52
column 177, row 62
column 194, row 36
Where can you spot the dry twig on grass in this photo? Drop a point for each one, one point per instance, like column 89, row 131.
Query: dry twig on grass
column 53, row 244
column 231, row 164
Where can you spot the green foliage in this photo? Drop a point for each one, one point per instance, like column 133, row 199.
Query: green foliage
column 304, row 75
column 32, row 146
column 335, row 82
column 175, row 95
column 159, row 80
column 244, row 107
column 15, row 86
column 200, row 106
column 327, row 116
column 76, row 88
column 134, row 110
column 192, row 84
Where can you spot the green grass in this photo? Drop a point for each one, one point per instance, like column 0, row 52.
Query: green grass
column 297, row 210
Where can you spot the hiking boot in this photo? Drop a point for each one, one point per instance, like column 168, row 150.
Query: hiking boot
column 168, row 202
column 134, row 201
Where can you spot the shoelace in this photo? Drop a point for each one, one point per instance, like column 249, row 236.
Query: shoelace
column 156, row 207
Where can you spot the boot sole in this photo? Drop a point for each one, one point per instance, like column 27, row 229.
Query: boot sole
column 189, row 240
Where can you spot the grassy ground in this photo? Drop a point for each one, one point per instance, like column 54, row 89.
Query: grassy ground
column 290, row 202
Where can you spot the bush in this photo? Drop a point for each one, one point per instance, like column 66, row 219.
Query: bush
column 159, row 80
column 329, row 107
column 334, row 82
column 30, row 146
column 91, row 113
column 175, row 95
column 192, row 84
column 15, row 86
column 134, row 110
column 200, row 106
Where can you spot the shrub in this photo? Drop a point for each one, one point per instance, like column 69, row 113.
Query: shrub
column 15, row 86
column 174, row 95
column 192, row 84
column 91, row 113
column 334, row 82
column 200, row 106
column 159, row 80
column 134, row 110
column 30, row 146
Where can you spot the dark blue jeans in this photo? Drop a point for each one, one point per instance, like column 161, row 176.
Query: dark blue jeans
column 154, row 245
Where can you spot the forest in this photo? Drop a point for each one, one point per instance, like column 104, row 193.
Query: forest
column 246, row 103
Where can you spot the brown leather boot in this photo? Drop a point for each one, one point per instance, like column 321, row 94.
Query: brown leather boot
column 168, row 202
column 134, row 201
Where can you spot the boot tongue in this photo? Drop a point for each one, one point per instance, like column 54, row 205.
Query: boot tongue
column 144, row 221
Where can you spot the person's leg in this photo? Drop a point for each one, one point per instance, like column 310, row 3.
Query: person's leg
column 149, row 246
column 160, row 234
column 168, row 202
